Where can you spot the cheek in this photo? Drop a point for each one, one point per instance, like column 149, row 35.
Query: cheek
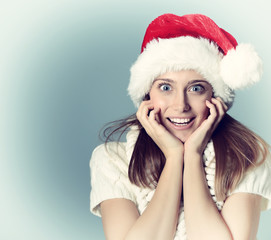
column 204, row 110
column 159, row 103
column 200, row 108
column 157, row 100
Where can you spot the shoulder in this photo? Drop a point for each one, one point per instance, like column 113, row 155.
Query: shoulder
column 257, row 181
column 112, row 153
column 109, row 175
column 107, row 149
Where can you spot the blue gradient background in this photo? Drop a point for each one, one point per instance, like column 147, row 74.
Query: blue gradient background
column 64, row 69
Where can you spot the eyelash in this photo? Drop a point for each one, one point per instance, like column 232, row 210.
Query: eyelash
column 164, row 84
column 189, row 89
column 198, row 85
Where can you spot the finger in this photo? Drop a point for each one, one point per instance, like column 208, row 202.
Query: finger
column 225, row 107
column 221, row 107
column 144, row 109
column 218, row 112
column 142, row 115
column 153, row 113
column 154, row 117
column 157, row 116
column 213, row 116
column 142, row 106
column 148, row 115
column 213, row 111
column 218, row 106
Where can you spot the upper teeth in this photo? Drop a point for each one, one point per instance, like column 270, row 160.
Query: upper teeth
column 180, row 120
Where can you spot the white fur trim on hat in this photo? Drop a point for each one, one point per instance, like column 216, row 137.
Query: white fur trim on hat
column 176, row 54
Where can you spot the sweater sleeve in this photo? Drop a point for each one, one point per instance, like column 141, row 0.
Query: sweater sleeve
column 109, row 175
column 258, row 181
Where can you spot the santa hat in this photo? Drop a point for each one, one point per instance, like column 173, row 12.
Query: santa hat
column 194, row 42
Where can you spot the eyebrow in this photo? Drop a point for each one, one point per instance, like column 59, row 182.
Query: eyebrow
column 164, row 79
column 172, row 81
column 198, row 81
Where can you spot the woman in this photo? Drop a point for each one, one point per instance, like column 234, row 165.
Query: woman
column 187, row 169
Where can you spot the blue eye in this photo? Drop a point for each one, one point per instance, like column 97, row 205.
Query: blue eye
column 197, row 88
column 165, row 87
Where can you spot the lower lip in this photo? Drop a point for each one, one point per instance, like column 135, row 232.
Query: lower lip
column 182, row 127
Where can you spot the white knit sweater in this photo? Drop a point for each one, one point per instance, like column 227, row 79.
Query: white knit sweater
column 109, row 179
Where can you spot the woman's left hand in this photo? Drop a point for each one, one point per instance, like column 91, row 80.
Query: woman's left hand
column 200, row 137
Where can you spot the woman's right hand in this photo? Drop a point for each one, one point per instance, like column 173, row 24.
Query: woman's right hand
column 149, row 118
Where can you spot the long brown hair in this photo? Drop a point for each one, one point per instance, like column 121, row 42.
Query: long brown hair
column 237, row 148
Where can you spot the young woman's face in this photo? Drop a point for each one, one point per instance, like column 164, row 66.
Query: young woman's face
column 181, row 97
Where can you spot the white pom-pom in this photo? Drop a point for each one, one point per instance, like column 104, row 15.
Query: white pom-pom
column 241, row 67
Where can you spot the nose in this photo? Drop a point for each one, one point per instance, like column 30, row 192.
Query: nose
column 180, row 102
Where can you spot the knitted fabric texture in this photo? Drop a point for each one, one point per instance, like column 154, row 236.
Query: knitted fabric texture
column 109, row 179
column 144, row 195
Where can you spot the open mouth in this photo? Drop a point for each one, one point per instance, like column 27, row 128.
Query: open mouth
column 180, row 121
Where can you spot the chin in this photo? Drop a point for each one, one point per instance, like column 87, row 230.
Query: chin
column 182, row 138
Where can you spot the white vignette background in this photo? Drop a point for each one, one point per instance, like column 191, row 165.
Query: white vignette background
column 64, row 70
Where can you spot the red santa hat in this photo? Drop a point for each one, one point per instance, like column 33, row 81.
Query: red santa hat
column 194, row 42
